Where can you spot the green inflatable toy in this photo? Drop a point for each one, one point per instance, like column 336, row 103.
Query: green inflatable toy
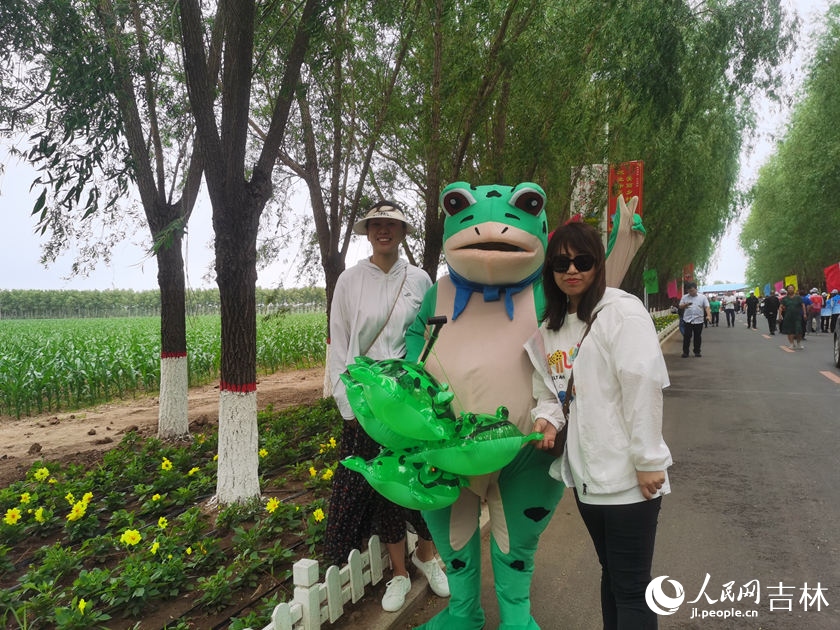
column 485, row 445
column 380, row 432
column 414, row 485
column 404, row 397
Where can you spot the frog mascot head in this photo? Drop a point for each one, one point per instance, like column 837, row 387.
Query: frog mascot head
column 494, row 239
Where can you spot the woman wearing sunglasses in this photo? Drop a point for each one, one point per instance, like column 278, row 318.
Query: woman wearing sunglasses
column 614, row 457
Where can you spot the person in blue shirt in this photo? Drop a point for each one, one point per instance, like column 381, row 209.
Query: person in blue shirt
column 835, row 308
column 806, row 302
column 825, row 313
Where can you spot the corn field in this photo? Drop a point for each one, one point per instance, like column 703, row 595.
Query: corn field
column 48, row 365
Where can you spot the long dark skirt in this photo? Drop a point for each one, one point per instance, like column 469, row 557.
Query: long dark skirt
column 356, row 510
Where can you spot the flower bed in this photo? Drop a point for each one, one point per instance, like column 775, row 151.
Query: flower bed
column 662, row 322
column 132, row 538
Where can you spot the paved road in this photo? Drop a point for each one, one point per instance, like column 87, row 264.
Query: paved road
column 753, row 430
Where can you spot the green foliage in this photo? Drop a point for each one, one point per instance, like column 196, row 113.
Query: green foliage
column 793, row 223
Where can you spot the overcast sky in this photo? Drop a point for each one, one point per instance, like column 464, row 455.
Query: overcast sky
column 131, row 267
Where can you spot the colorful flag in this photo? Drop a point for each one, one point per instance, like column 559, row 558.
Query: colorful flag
column 673, row 292
column 832, row 277
column 779, row 286
column 767, row 289
column 791, row 280
column 756, row 292
column 651, row 279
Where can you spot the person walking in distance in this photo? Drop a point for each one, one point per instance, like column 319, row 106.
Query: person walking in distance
column 825, row 314
column 835, row 309
column 806, row 304
column 811, row 324
column 729, row 301
column 752, row 310
column 771, row 311
column 695, row 310
column 714, row 307
column 793, row 314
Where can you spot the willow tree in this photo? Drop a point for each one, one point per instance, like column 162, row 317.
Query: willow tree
column 96, row 85
column 239, row 182
column 793, row 223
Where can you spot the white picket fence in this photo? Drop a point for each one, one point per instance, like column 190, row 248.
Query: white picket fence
column 315, row 603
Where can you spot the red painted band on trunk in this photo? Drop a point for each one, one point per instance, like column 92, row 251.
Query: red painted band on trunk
column 172, row 355
column 240, row 389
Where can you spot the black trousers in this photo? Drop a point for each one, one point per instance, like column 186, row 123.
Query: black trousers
column 771, row 322
column 715, row 318
column 824, row 322
column 624, row 537
column 695, row 330
column 751, row 318
column 730, row 317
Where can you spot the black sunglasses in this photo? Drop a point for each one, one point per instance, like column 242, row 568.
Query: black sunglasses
column 583, row 262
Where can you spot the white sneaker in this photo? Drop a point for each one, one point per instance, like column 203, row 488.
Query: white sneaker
column 395, row 592
column 438, row 581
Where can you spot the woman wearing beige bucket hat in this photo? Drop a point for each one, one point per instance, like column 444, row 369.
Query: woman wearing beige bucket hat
column 373, row 304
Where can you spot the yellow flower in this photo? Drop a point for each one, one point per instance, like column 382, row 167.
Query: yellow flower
column 155, row 547
column 87, row 498
column 169, row 556
column 82, row 604
column 297, row 508
column 12, row 516
column 155, row 497
column 312, row 471
column 272, row 505
column 130, row 537
column 166, row 464
column 78, row 511
column 216, row 457
column 70, row 498
column 52, row 481
column 263, row 452
column 24, row 498
column 332, row 442
column 41, row 474
column 39, row 515
column 189, row 550
column 163, row 523
column 328, row 474
column 192, row 471
column 200, row 438
column 318, row 514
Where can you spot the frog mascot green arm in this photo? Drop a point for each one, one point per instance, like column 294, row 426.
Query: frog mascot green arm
column 494, row 243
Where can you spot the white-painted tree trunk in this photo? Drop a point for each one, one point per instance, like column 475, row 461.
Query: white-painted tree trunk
column 238, row 468
column 328, row 391
column 173, row 421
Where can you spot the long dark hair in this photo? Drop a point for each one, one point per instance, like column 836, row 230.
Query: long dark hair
column 581, row 238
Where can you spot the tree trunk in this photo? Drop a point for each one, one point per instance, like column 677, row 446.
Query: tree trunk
column 173, row 421
column 236, row 275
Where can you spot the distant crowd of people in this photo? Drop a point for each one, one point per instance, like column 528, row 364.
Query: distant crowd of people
column 796, row 313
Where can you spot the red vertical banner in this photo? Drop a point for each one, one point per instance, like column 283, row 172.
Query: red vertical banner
column 625, row 179
column 832, row 277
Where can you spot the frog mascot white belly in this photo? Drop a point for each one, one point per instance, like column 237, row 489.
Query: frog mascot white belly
column 494, row 242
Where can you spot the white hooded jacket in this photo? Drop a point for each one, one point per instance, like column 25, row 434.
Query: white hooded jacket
column 615, row 418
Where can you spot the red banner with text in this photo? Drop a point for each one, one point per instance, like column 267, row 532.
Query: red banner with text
column 625, row 179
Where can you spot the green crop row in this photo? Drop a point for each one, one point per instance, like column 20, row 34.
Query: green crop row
column 47, row 365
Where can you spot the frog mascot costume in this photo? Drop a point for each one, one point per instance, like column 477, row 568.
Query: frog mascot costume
column 495, row 239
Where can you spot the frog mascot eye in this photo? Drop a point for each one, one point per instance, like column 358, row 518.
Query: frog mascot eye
column 528, row 200
column 457, row 200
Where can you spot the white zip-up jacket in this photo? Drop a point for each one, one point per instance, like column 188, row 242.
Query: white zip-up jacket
column 361, row 302
column 615, row 418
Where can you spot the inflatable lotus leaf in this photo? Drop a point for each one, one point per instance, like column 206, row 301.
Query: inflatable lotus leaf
column 377, row 430
column 416, row 486
column 487, row 444
column 406, row 398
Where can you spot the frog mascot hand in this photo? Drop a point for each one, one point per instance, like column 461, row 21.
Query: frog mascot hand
column 494, row 242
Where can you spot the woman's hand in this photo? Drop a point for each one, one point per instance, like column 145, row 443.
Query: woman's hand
column 549, row 434
column 650, row 481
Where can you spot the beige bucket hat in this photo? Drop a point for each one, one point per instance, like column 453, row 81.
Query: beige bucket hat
column 382, row 210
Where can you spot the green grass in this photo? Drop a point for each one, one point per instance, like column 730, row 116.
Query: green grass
column 48, row 365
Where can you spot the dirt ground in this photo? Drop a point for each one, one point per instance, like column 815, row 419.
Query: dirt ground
column 82, row 436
